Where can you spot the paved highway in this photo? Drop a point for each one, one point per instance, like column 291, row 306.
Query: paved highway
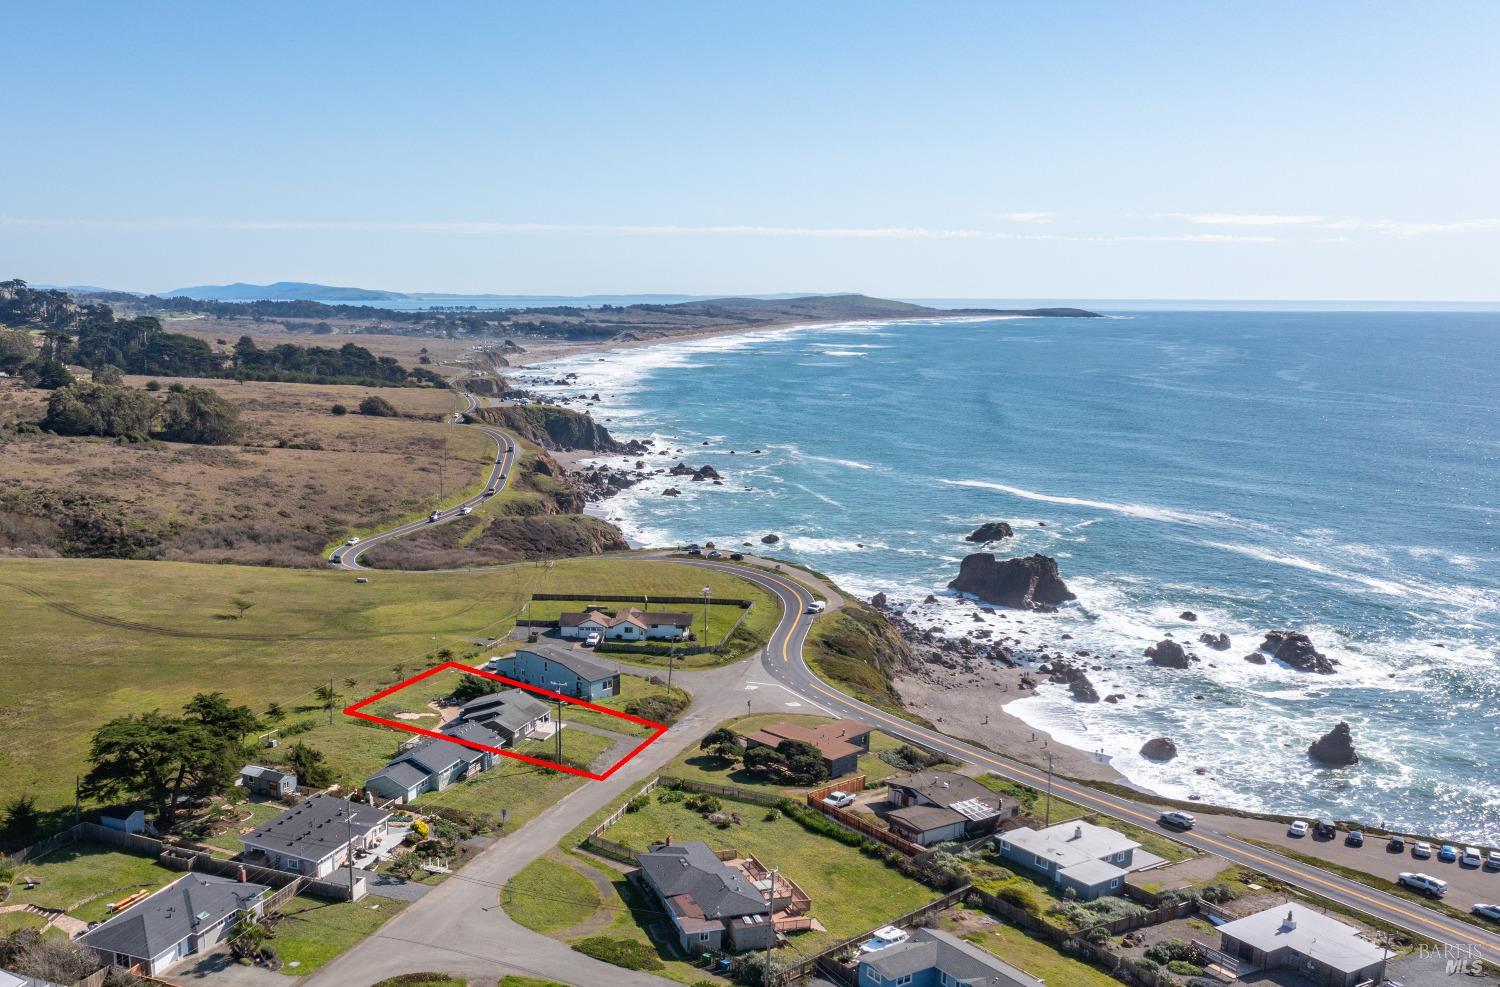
column 783, row 661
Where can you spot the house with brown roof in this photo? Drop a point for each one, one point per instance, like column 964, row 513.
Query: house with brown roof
column 928, row 807
column 840, row 742
column 632, row 624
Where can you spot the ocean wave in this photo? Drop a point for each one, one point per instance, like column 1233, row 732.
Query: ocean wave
column 813, row 493
column 1145, row 511
column 843, row 353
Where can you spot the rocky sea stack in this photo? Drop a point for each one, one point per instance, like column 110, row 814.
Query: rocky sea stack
column 1030, row 583
column 1335, row 749
column 1167, row 654
column 1297, row 651
column 1159, row 749
column 990, row 531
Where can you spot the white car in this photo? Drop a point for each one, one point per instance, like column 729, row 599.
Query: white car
column 1298, row 828
column 592, row 641
column 840, row 800
column 1425, row 883
column 353, row 541
column 817, row 606
column 1470, row 857
column 1492, row 860
column 1491, row 912
column 434, row 516
column 1422, row 851
column 465, row 510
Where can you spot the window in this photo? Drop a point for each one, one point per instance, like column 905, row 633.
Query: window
column 903, row 981
column 703, row 937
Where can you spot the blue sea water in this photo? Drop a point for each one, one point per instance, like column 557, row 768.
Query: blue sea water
column 1334, row 473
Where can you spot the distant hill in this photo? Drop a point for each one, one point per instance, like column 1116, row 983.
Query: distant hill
column 281, row 291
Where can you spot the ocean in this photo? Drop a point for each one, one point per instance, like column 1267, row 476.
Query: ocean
column 1335, row 473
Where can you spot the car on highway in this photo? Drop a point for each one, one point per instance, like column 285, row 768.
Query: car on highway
column 816, row 606
column 492, row 491
column 1491, row 912
column 1354, row 838
column 465, row 510
column 434, row 516
column 1447, row 853
column 840, row 799
column 1396, row 844
column 1421, row 850
column 592, row 641
column 1423, row 883
column 1470, row 857
column 354, row 540
column 1181, row 820
column 1297, row 829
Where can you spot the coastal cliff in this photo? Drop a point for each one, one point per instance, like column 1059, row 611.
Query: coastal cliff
column 551, row 427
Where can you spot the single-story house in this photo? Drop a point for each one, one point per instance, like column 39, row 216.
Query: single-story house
column 189, row 916
column 711, row 903
column 439, row 763
column 1295, row 937
column 633, row 624
column 315, row 837
column 268, row 781
column 840, row 742
column 933, row 958
column 1092, row 860
column 512, row 713
column 560, row 669
column 928, row 807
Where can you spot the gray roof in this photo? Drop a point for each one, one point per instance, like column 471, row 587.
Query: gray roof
column 692, row 869
column 511, row 709
column 316, row 827
column 475, row 733
column 1093, row 873
column 929, row 949
column 269, row 774
column 581, row 663
column 400, row 774
column 437, row 756
column 923, row 818
column 1309, row 932
column 190, row 904
column 1070, row 843
column 948, row 789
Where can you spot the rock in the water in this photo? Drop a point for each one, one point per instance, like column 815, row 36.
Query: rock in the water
column 1167, row 654
column 770, row 539
column 930, row 599
column 990, row 531
column 1219, row 642
column 671, row 492
column 1187, row 615
column 1335, row 749
column 1030, row 583
column 1159, row 749
column 878, row 601
column 1256, row 658
column 1079, row 685
column 1297, row 651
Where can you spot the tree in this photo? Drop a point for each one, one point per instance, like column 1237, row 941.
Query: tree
column 153, row 385
column 474, row 686
column 82, row 408
column 326, row 695
column 804, row 763
column 339, row 409
column 108, row 373
column 309, row 764
column 723, row 744
column 240, row 605
column 51, row 374
column 200, row 415
column 159, row 759
column 21, row 819
column 274, row 712
column 378, row 407
column 212, row 710
column 16, row 350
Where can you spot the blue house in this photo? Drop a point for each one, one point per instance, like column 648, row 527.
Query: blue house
column 569, row 671
column 931, row 958
column 434, row 765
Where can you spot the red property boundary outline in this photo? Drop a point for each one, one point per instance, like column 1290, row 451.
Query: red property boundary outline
column 357, row 710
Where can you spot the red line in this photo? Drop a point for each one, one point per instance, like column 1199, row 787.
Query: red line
column 356, row 710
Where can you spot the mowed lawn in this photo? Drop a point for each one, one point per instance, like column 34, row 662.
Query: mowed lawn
column 84, row 879
column 87, row 640
column 310, row 931
column 549, row 896
column 851, row 893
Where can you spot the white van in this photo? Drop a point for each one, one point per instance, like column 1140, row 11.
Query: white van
column 817, row 606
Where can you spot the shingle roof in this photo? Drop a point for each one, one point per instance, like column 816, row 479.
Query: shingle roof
column 316, row 827
column 693, row 872
column 1310, row 933
column 269, row 774
column 511, row 709
column 634, row 615
column 831, row 739
column 926, row 817
column 400, row 774
column 189, row 904
column 581, row 663
column 966, row 963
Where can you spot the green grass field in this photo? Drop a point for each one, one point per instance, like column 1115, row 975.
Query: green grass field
column 87, row 640
column 84, row 879
column 310, row 932
column 549, row 896
column 1034, row 956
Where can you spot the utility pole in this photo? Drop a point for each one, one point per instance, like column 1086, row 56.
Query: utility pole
column 765, row 973
column 705, row 591
column 671, row 660
column 1050, row 756
column 349, row 841
column 557, row 728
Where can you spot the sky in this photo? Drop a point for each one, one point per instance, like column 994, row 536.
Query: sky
column 988, row 150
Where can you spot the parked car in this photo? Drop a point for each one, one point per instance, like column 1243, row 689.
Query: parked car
column 353, row 540
column 1354, row 838
column 1297, row 829
column 1396, row 844
column 737, row 556
column 716, row 554
column 1491, row 912
column 1492, row 860
column 1424, row 883
column 592, row 641
column 840, row 799
column 1470, row 857
column 1421, row 851
column 1324, row 829
column 1447, row 853
column 695, row 550
column 1182, row 820
column 692, row 546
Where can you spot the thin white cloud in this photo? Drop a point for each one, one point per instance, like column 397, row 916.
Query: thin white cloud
column 1389, row 227
column 1243, row 219
column 1025, row 217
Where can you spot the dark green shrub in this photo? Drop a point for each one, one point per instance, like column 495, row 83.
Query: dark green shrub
column 626, row 953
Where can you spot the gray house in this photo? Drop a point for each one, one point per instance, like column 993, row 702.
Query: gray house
column 930, row 807
column 433, row 765
column 268, row 781
column 512, row 713
column 317, row 836
column 1295, row 937
column 932, row 958
column 570, row 671
column 189, row 916
column 1092, row 860
column 711, row 904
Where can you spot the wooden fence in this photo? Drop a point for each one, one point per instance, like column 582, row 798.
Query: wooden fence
column 853, row 785
column 750, row 795
column 596, row 842
column 851, row 820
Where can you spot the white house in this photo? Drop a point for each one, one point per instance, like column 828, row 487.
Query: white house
column 633, row 624
column 1092, row 860
column 1295, row 937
